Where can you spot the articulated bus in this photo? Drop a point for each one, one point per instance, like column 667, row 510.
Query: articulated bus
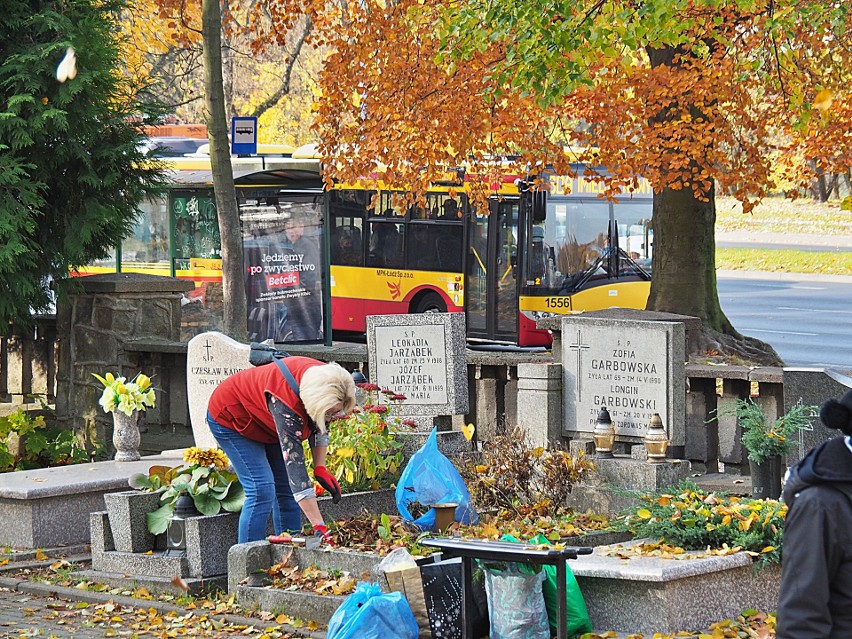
column 525, row 258
column 530, row 255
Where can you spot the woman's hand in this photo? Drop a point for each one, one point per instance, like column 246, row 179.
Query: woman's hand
column 320, row 530
column 327, row 481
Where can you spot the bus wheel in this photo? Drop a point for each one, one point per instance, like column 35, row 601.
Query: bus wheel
column 430, row 303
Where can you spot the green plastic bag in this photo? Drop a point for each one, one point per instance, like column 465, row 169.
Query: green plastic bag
column 578, row 620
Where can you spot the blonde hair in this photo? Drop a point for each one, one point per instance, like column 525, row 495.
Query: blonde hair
column 323, row 387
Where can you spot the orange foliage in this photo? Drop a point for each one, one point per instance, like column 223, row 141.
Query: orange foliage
column 730, row 110
column 730, row 94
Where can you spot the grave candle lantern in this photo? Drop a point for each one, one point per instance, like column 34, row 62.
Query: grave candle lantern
column 604, row 434
column 656, row 440
column 176, row 532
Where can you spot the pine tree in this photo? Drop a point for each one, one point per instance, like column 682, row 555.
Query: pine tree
column 72, row 172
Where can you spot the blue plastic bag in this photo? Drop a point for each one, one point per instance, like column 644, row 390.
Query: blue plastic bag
column 369, row 614
column 430, row 478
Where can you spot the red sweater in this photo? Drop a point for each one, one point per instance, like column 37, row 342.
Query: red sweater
column 240, row 401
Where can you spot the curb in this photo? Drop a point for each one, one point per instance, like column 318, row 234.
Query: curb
column 782, row 276
column 77, row 594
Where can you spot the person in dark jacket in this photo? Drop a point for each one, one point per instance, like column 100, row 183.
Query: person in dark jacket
column 816, row 578
column 260, row 418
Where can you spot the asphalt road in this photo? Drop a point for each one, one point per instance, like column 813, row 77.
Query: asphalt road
column 806, row 318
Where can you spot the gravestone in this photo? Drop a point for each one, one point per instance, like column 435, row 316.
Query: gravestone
column 210, row 358
column 422, row 357
column 813, row 386
column 634, row 368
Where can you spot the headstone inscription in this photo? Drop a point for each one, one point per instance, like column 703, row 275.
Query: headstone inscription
column 210, row 358
column 422, row 357
column 633, row 368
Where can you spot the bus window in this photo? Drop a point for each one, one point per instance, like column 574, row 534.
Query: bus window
column 435, row 247
column 541, row 260
column 577, row 231
column 147, row 250
column 347, row 209
column 347, row 245
column 386, row 239
column 392, row 204
column 635, row 236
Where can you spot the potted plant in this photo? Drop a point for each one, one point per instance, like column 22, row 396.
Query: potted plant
column 204, row 477
column 766, row 442
column 126, row 401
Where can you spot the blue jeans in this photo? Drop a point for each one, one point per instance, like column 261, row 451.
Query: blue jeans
column 263, row 475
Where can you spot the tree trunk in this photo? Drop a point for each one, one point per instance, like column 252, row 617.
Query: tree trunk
column 684, row 261
column 684, row 258
column 233, row 284
column 228, row 76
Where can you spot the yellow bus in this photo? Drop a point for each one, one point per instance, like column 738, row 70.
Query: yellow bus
column 530, row 255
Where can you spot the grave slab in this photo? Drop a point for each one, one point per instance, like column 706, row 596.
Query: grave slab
column 600, row 491
column 50, row 507
column 208, row 540
column 247, row 579
column 622, row 593
column 653, row 595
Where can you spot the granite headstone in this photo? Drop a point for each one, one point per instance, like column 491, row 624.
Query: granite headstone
column 813, row 386
column 210, row 358
column 634, row 368
column 422, row 357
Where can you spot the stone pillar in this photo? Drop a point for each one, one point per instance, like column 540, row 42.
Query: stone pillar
column 102, row 315
column 732, row 453
column 702, row 437
column 540, row 402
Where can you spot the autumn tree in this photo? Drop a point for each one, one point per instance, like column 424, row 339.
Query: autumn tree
column 687, row 93
column 271, row 82
column 72, row 174
column 205, row 23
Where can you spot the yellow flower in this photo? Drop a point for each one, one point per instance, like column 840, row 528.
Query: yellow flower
column 206, row 457
column 124, row 396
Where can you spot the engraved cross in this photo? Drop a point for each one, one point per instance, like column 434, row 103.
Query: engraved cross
column 579, row 346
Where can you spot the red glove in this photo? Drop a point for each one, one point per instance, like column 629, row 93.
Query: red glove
column 320, row 530
column 327, row 481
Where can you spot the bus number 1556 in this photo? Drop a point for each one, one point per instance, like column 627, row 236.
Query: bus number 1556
column 558, row 302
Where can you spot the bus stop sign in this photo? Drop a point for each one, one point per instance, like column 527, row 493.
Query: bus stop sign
column 243, row 135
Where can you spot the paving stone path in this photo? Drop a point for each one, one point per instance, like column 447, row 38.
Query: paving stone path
column 26, row 615
column 31, row 610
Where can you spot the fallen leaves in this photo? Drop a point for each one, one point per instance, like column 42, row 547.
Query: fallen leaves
column 311, row 579
column 662, row 550
column 117, row 620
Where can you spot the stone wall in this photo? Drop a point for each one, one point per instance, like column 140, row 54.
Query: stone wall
column 100, row 328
